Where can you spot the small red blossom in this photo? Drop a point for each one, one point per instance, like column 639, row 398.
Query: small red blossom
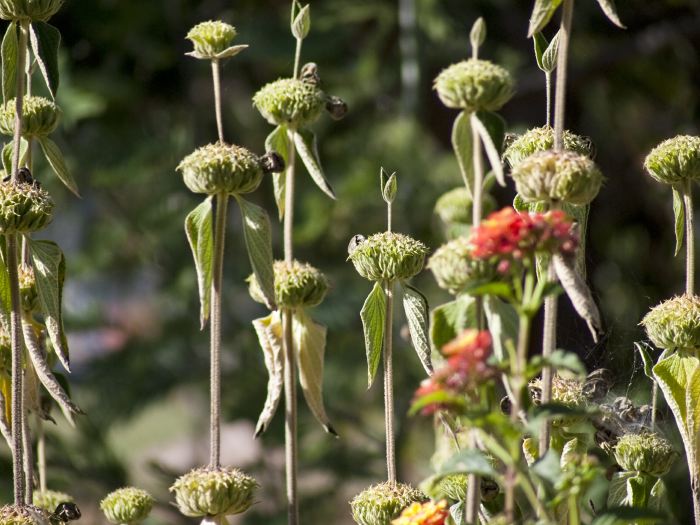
column 427, row 513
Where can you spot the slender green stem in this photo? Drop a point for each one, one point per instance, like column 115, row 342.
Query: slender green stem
column 478, row 190
column 549, row 343
column 216, row 292
column 41, row 453
column 548, row 87
column 690, row 238
column 216, row 77
column 28, row 455
column 290, row 429
column 297, row 58
column 574, row 515
column 289, row 199
column 388, row 216
column 389, row 383
column 562, row 70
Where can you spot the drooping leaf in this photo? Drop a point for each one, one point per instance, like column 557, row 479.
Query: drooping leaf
column 10, row 45
column 50, row 272
column 200, row 235
column 457, row 513
column 542, row 13
column 463, row 145
column 618, row 495
column 502, row 321
column 551, row 55
column 231, row 51
column 46, row 40
column 8, row 152
column 468, row 461
column 373, row 316
column 610, row 10
column 679, row 215
column 310, row 346
column 448, row 320
column 657, row 497
column 305, row 141
column 646, row 360
column 258, row 240
column 416, row 307
column 490, row 147
column 579, row 293
column 269, row 332
column 278, row 141
column 58, row 164
column 540, row 44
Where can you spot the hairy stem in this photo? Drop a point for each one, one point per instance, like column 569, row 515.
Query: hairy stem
column 562, row 70
column 297, row 58
column 690, row 239
column 216, row 77
column 290, row 429
column 41, row 454
column 28, row 456
column 548, row 87
column 695, row 486
column 389, row 383
column 216, row 290
column 549, row 343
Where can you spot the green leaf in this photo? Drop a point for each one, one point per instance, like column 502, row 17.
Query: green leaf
column 679, row 214
column 540, row 44
column 497, row 289
column 548, row 468
column 7, row 152
column 310, row 345
column 559, row 360
column 444, row 398
column 468, row 461
column 542, row 13
column 46, row 40
column 578, row 292
column 10, row 46
column 657, row 496
column 610, row 10
column 55, row 159
column 448, row 320
column 305, row 142
column 502, row 321
column 463, row 144
column 631, row 515
column 457, row 513
column 389, row 185
column 258, row 241
column 416, row 307
column 646, row 360
column 551, row 55
column 477, row 35
column 269, row 332
column 485, row 123
column 5, row 297
column 373, row 316
column 278, row 141
column 618, row 495
column 200, row 235
column 231, row 51
column 301, row 25
column 50, row 273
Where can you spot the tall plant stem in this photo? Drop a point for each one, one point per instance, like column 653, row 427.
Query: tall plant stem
column 562, row 70
column 28, row 457
column 690, row 239
column 297, row 57
column 548, row 87
column 41, row 454
column 695, row 486
column 389, row 384
column 549, row 343
column 216, row 289
column 216, row 77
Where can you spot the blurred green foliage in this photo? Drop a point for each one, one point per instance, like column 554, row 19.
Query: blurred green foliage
column 135, row 105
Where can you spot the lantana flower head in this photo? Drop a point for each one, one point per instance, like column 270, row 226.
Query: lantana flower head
column 428, row 513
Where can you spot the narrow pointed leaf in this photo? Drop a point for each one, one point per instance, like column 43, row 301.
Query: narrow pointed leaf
column 416, row 307
column 46, row 40
column 646, row 360
column 199, row 229
column 278, row 141
column 258, row 240
column 463, row 145
column 679, row 215
column 269, row 331
column 551, row 55
column 540, row 44
column 502, row 321
column 492, row 150
column 610, row 10
column 5, row 297
column 542, row 13
column 8, row 151
column 373, row 316
column 58, row 164
column 448, row 320
column 231, row 51
column 578, row 292
column 10, row 46
column 50, row 272
column 305, row 142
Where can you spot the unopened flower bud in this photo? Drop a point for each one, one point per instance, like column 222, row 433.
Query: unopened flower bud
column 34, row 10
column 40, row 117
column 675, row 323
column 127, row 506
column 675, row 160
column 336, row 107
column 289, row 101
column 24, row 208
column 474, row 85
column 455, row 206
column 222, row 168
column 211, row 39
column 297, row 285
column 380, row 504
column 645, row 452
column 541, row 139
column 48, row 500
column 214, row 492
column 454, row 268
column 389, row 256
column 453, row 487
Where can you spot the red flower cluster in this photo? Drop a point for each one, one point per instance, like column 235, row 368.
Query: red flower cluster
column 513, row 236
column 465, row 369
column 427, row 513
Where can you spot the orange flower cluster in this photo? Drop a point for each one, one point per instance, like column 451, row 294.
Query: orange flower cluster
column 428, row 513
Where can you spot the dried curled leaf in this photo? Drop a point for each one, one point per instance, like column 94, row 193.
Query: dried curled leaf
column 269, row 331
column 578, row 292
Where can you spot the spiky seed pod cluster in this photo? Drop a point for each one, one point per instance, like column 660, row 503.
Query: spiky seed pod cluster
column 474, row 85
column 289, row 101
column 379, row 504
column 675, row 160
column 453, row 487
column 675, row 323
column 297, row 285
column 23, row 515
column 127, row 506
column 222, row 168
column 211, row 38
column 35, row 10
column 565, row 391
column 48, row 500
column 214, row 492
column 40, row 117
column 551, row 176
column 541, row 139
column 389, row 256
column 454, row 268
column 24, row 208
column 27, row 288
column 455, row 206
column 646, row 452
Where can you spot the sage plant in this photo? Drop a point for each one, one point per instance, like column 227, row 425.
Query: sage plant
column 127, row 506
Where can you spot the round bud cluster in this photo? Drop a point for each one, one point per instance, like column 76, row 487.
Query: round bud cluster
column 453, row 487
column 48, row 500
column 127, row 506
column 379, row 504
column 567, row 392
column 541, row 139
column 222, row 168
column 474, row 85
column 23, row 515
column 293, row 102
column 675, row 323
column 40, row 117
column 455, row 206
column 24, row 208
column 675, row 160
column 455, row 269
column 645, row 452
column 34, row 10
column 27, row 288
column 211, row 38
column 389, row 256
column 297, row 285
column 214, row 492
column 557, row 177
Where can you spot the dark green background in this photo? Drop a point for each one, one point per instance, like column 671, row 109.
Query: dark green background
column 135, row 105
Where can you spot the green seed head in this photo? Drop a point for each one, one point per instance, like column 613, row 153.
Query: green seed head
column 34, row 10
column 452, row 487
column 567, row 392
column 127, row 506
column 645, row 452
column 454, row 269
column 27, row 289
column 297, row 285
column 218, row 168
column 23, row 515
column 289, row 101
column 24, row 208
column 380, row 504
column 675, row 160
column 48, row 500
column 389, row 256
column 474, row 85
column 549, row 176
column 542, row 139
column 675, row 324
column 214, row 492
column 455, row 206
column 211, row 38
column 40, row 117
